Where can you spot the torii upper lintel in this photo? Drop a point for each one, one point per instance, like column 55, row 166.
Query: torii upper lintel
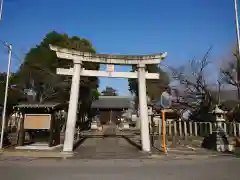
column 108, row 59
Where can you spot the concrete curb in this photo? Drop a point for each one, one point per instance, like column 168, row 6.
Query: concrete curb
column 62, row 155
column 36, row 154
column 172, row 157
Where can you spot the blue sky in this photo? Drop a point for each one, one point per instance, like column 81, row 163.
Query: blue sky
column 184, row 29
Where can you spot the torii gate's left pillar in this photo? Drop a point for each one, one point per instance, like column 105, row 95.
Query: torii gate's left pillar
column 72, row 109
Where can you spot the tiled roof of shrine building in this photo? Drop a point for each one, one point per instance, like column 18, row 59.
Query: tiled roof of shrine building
column 113, row 102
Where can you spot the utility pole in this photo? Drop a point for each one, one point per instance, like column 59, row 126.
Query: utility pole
column 237, row 24
column 1, row 9
column 219, row 92
column 9, row 46
column 238, row 45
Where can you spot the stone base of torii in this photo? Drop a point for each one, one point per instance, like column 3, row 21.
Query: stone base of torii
column 77, row 71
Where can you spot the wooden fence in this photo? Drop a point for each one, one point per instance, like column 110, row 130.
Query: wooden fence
column 190, row 128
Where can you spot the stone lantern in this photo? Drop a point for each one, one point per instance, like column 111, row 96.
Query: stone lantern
column 217, row 140
column 219, row 117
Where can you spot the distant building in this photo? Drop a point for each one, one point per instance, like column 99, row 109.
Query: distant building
column 111, row 108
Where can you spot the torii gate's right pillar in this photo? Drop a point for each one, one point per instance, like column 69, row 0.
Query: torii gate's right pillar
column 145, row 137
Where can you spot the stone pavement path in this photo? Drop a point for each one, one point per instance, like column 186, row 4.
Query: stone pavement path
column 107, row 146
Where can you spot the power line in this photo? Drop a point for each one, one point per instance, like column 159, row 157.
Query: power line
column 14, row 55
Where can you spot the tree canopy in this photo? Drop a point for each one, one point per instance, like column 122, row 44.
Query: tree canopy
column 38, row 71
column 154, row 86
column 37, row 74
column 13, row 94
column 109, row 91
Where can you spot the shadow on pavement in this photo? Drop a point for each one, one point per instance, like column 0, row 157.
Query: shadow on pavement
column 79, row 142
column 138, row 146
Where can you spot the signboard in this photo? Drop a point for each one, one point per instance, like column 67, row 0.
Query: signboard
column 37, row 121
column 166, row 100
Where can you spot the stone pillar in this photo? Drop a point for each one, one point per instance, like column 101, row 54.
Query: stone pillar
column 145, row 138
column 138, row 124
column 72, row 109
column 150, row 119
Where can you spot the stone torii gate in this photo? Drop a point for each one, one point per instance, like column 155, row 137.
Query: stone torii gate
column 79, row 57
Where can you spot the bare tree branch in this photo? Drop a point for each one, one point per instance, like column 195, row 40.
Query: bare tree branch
column 193, row 89
column 231, row 73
